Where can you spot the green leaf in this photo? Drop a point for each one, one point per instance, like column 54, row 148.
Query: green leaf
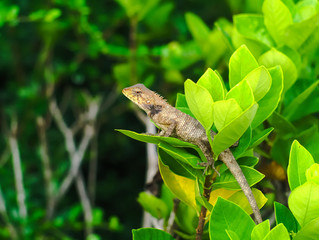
column 225, row 111
column 248, row 161
column 258, row 138
column 186, row 218
column 155, row 206
column 183, row 188
column 200, row 103
column 299, row 161
column 243, row 94
column 198, row 29
column 304, row 203
column 282, row 126
column 212, row 82
column 181, row 101
column 312, row 173
column 182, row 155
column 52, row 14
column 309, row 231
column 278, row 232
column 150, row 234
column 284, row 216
column 137, row 8
column 243, row 144
column 273, row 58
column 228, row 181
column 179, row 56
column 241, row 63
column 270, row 101
column 261, row 230
column 252, row 26
column 241, row 200
column 232, row 235
column 234, row 130
column 200, row 199
column 177, row 167
column 156, row 139
column 299, row 100
column 277, row 19
column 259, row 80
column 226, row 216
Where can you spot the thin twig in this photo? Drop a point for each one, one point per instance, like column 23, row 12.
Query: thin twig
column 17, row 169
column 85, row 202
column 76, row 155
column 93, row 167
column 47, row 172
column 4, row 213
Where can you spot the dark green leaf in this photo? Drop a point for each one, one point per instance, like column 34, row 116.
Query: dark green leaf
column 150, row 234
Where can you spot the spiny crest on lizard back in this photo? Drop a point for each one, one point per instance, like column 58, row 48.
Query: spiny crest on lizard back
column 145, row 98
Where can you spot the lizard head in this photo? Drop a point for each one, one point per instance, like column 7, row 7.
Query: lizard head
column 143, row 97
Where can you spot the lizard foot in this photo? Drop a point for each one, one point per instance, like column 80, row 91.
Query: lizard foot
column 207, row 165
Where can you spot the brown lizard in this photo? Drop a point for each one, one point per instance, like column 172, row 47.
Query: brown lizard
column 175, row 123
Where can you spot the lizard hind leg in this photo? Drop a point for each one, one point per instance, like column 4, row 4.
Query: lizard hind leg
column 205, row 148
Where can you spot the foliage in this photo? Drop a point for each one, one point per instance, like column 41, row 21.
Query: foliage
column 65, row 174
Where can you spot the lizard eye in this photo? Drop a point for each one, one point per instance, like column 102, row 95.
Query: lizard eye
column 138, row 91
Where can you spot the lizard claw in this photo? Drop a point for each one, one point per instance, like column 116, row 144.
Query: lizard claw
column 207, row 165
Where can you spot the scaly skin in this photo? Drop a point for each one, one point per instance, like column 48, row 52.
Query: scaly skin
column 175, row 123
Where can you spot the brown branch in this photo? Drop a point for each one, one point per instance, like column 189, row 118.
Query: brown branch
column 202, row 216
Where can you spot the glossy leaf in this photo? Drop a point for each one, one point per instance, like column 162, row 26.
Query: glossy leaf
column 243, row 144
column 225, row 111
column 178, row 167
column 183, row 188
column 241, row 200
column 304, row 203
column 182, row 155
column 198, row 29
column 277, row 19
column 285, row 216
column 243, row 94
column 252, row 26
column 297, row 33
column 228, row 181
column 212, row 82
column 200, row 103
column 268, row 104
column 155, row 206
column 157, row 139
column 282, row 126
column 261, row 230
column 273, row 58
column 234, row 130
column 309, row 231
column 150, row 234
column 299, row 100
column 258, row 138
column 299, row 161
column 259, row 80
column 241, row 63
column 312, row 173
column 278, row 232
column 226, row 216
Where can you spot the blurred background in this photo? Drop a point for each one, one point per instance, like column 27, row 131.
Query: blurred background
column 65, row 173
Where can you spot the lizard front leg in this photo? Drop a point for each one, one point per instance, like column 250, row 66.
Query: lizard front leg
column 168, row 129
